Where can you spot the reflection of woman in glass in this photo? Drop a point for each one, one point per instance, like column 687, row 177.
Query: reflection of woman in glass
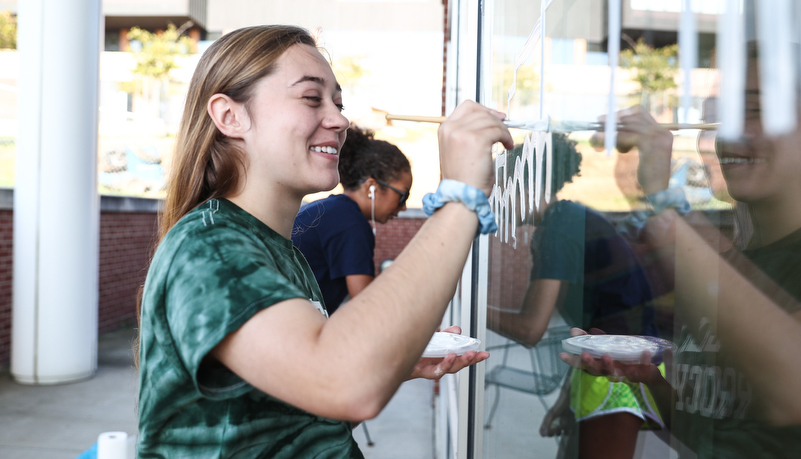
column 588, row 272
column 334, row 233
column 734, row 390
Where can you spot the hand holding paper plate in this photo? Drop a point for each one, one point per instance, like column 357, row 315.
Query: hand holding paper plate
column 624, row 348
column 442, row 344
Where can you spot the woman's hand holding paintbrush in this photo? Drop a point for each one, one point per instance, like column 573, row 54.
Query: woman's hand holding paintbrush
column 654, row 142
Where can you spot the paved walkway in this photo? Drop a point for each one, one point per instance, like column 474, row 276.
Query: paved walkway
column 62, row 421
column 405, row 429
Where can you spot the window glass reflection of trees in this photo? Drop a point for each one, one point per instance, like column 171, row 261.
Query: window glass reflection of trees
column 726, row 295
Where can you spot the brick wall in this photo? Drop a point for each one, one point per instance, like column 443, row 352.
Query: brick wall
column 5, row 285
column 509, row 270
column 392, row 237
column 126, row 241
column 446, row 35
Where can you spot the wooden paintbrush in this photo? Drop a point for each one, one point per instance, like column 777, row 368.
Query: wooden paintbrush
column 553, row 125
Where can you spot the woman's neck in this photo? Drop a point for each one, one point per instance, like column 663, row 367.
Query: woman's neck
column 774, row 220
column 357, row 196
column 273, row 209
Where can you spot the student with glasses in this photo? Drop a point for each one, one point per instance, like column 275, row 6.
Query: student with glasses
column 337, row 234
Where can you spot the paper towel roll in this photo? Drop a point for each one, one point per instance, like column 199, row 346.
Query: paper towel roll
column 112, row 445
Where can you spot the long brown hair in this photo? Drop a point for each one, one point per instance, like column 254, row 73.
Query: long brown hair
column 205, row 163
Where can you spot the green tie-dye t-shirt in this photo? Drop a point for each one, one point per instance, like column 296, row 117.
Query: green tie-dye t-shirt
column 212, row 272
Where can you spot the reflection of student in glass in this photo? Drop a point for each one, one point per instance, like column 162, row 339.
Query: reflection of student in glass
column 334, row 233
column 734, row 390
column 588, row 272
column 238, row 358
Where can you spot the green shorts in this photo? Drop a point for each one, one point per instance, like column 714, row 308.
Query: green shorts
column 592, row 396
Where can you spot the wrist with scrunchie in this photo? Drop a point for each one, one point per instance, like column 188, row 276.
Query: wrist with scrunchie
column 473, row 198
column 673, row 198
column 670, row 198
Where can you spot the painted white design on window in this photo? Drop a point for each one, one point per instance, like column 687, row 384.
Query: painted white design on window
column 610, row 131
column 521, row 58
column 675, row 6
column 688, row 56
column 731, row 44
column 511, row 186
column 777, row 65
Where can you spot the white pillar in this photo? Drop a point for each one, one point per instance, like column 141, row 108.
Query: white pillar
column 56, row 205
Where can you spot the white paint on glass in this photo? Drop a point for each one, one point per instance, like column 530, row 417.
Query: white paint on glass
column 731, row 55
column 688, row 57
column 613, row 48
column 521, row 58
column 508, row 200
column 776, row 66
column 675, row 6
column 543, row 18
column 548, row 167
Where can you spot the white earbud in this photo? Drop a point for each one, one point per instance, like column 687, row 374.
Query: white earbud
column 372, row 206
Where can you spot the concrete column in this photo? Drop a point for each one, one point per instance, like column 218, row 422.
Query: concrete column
column 56, row 205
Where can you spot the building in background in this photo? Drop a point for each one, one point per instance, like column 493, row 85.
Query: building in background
column 388, row 56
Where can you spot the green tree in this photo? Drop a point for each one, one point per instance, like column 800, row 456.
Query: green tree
column 8, row 31
column 654, row 68
column 527, row 84
column 156, row 55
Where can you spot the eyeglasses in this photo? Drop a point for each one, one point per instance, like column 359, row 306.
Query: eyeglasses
column 403, row 194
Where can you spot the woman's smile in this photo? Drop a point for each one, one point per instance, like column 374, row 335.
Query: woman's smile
column 727, row 160
column 325, row 149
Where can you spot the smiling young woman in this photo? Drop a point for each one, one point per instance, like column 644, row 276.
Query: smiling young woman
column 287, row 131
column 237, row 356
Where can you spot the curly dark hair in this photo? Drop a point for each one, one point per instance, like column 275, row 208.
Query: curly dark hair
column 363, row 156
column 566, row 161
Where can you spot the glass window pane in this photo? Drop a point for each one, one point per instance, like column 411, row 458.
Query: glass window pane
column 688, row 230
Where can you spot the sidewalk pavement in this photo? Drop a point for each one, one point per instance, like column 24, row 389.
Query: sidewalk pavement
column 405, row 428
column 62, row 421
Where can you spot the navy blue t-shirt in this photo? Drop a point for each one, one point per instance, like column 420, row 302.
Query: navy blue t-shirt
column 607, row 287
column 337, row 241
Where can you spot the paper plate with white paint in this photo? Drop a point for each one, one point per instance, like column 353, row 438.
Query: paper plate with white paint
column 442, row 344
column 625, row 348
